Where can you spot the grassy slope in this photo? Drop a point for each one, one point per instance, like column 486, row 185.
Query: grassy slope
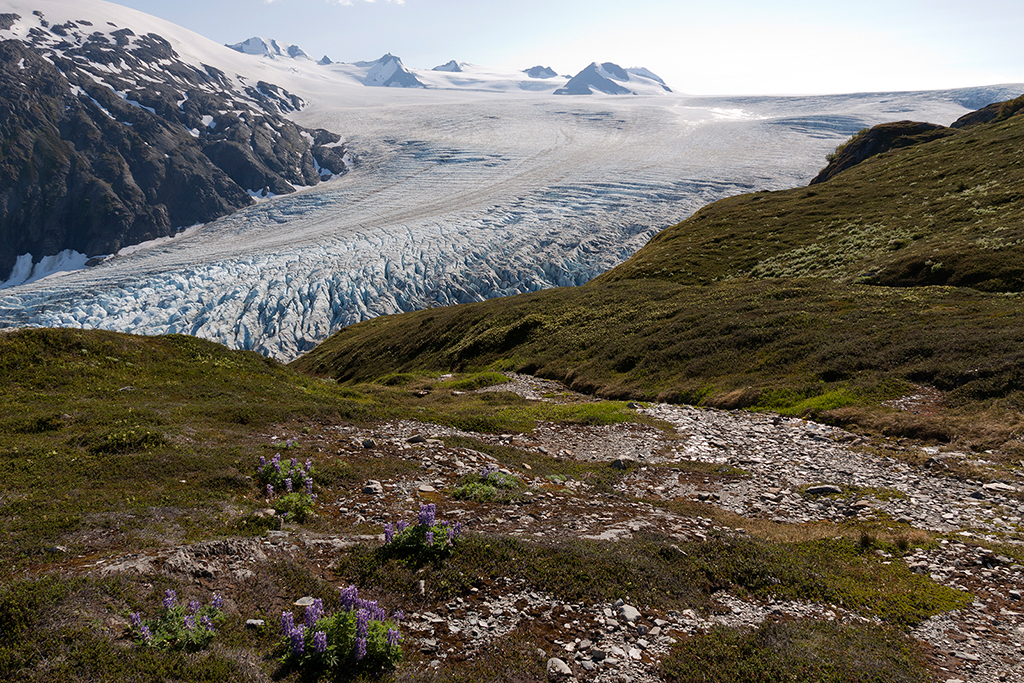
column 949, row 212
column 755, row 301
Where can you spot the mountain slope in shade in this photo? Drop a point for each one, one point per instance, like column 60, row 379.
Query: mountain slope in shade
column 112, row 137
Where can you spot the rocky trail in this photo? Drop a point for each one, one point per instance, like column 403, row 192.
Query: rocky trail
column 763, row 469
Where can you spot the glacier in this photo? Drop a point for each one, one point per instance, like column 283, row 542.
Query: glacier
column 457, row 197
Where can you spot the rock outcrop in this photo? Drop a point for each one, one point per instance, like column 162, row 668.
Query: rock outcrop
column 882, row 138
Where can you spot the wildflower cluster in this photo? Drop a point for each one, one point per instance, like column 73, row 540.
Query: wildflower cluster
column 359, row 637
column 288, row 487
column 428, row 539
column 180, row 626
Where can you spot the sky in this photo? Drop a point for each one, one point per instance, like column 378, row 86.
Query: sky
column 725, row 47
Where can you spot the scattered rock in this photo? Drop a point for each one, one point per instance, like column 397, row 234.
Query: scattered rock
column 557, row 669
column 823, row 490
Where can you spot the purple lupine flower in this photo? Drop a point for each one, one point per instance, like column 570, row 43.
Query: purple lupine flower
column 399, row 616
column 147, row 635
column 314, row 496
column 320, row 642
column 190, row 622
column 309, row 486
column 458, row 529
column 287, row 622
column 288, row 485
column 314, row 612
column 309, row 466
column 349, row 596
column 288, row 444
column 393, row 637
column 378, row 613
column 362, row 621
column 451, row 535
column 206, row 623
column 277, row 466
column 193, row 606
column 389, row 533
column 294, row 463
column 427, row 514
column 136, row 619
column 430, row 538
column 263, row 461
column 270, row 491
column 298, row 637
column 360, row 648
column 402, row 525
column 217, row 601
column 371, row 607
column 170, row 597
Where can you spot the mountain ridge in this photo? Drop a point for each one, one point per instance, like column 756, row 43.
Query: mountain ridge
column 112, row 139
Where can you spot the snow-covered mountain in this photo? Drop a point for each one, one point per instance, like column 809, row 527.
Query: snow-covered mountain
column 482, row 184
column 271, row 49
column 612, row 79
column 389, row 72
column 541, row 72
column 450, row 66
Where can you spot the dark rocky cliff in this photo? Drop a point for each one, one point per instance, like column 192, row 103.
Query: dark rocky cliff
column 109, row 139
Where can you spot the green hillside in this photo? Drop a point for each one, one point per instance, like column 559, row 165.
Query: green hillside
column 947, row 212
column 903, row 270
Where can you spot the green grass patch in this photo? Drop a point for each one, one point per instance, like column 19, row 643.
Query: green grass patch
column 489, row 486
column 806, row 651
column 44, row 638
